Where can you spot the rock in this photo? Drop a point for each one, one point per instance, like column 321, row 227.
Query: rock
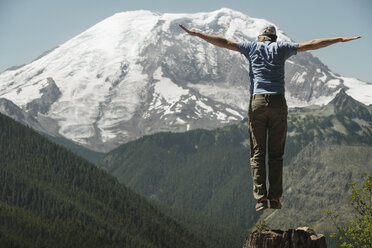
column 49, row 94
column 302, row 237
column 10, row 109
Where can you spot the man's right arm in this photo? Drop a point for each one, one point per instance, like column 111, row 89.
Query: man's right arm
column 320, row 43
column 213, row 39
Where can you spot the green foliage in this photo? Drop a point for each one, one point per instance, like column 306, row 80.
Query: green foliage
column 49, row 197
column 261, row 225
column 218, row 234
column 358, row 232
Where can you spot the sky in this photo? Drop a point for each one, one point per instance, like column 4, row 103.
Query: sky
column 30, row 27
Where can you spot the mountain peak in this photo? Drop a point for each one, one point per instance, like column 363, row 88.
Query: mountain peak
column 349, row 107
column 341, row 99
column 228, row 11
column 138, row 73
column 342, row 93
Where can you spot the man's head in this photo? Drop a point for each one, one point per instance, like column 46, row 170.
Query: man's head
column 268, row 34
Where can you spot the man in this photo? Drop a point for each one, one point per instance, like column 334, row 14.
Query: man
column 268, row 108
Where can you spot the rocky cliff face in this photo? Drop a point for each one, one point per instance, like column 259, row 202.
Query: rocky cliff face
column 49, row 94
column 302, row 237
column 10, row 109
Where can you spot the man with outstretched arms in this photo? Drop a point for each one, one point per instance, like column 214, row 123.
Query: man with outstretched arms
column 267, row 114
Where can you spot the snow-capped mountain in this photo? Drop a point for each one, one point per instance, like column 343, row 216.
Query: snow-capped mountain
column 138, row 73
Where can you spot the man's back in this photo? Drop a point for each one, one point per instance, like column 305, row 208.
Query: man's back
column 266, row 62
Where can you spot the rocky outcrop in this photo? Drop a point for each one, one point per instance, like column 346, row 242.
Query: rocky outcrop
column 302, row 237
column 10, row 109
column 50, row 94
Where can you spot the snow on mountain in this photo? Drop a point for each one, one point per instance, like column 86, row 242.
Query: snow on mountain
column 137, row 73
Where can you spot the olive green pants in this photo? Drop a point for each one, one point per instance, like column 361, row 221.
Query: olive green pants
column 268, row 129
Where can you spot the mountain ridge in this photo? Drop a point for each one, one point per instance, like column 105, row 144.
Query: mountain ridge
column 138, row 73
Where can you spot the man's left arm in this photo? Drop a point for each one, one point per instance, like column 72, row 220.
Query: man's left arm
column 213, row 39
column 320, row 43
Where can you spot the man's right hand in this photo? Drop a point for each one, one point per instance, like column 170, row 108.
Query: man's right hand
column 189, row 31
column 213, row 39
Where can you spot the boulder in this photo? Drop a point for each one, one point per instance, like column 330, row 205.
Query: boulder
column 302, row 237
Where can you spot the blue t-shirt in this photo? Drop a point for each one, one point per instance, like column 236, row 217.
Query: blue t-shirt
column 266, row 64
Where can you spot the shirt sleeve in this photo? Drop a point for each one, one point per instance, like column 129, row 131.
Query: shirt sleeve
column 244, row 47
column 288, row 49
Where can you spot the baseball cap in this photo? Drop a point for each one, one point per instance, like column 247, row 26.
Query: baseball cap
column 269, row 30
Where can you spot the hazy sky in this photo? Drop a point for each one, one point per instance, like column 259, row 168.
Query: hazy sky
column 30, row 27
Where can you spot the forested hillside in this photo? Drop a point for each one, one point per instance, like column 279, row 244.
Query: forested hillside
column 205, row 171
column 49, row 197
